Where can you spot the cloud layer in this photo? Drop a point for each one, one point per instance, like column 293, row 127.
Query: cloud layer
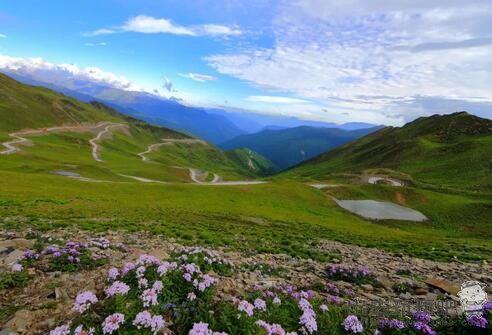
column 378, row 57
column 150, row 25
column 198, row 77
column 58, row 74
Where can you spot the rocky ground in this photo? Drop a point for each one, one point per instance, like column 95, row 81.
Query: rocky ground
column 48, row 297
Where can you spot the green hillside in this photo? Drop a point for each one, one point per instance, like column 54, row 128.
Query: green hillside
column 31, row 107
column 287, row 147
column 23, row 106
column 255, row 162
column 453, row 151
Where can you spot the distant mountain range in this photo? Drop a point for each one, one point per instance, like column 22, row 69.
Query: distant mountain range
column 453, row 150
column 211, row 124
column 288, row 147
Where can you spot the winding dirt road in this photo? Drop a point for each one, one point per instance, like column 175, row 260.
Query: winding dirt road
column 196, row 175
column 95, row 145
column 13, row 146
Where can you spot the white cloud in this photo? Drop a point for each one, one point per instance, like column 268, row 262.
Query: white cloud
column 217, row 30
column 168, row 85
column 101, row 44
column 151, row 25
column 373, row 57
column 198, row 77
column 60, row 73
column 276, row 99
column 3, row 36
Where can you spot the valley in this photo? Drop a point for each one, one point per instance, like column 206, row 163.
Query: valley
column 98, row 173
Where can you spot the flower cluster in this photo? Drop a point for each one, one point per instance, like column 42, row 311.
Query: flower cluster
column 83, row 301
column 352, row 324
column 308, row 317
column 134, row 298
column 201, row 328
column 360, row 275
column 71, row 256
column 206, row 259
column 421, row 323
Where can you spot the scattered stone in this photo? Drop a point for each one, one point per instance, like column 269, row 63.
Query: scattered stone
column 22, row 321
column 367, row 287
column 61, row 294
column 421, row 291
column 443, row 285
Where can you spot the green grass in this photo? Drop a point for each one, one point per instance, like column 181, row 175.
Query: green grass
column 294, row 216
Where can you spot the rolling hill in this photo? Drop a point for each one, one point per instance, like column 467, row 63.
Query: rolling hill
column 151, row 108
column 452, row 150
column 58, row 131
column 287, row 147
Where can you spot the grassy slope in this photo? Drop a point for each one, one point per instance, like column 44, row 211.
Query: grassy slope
column 254, row 161
column 23, row 106
column 449, row 151
column 283, row 212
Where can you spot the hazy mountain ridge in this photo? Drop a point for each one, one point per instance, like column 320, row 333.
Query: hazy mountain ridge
column 287, row 147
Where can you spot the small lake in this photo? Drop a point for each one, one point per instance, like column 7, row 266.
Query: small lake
column 380, row 210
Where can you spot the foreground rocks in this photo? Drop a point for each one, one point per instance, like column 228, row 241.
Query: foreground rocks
column 48, row 297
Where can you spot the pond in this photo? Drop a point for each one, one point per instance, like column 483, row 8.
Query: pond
column 380, row 210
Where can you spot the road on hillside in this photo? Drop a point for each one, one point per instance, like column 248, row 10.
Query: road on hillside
column 13, row 146
column 196, row 175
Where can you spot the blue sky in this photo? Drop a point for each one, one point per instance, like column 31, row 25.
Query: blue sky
column 378, row 61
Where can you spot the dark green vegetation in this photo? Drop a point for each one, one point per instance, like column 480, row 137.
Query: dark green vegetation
column 281, row 216
column 257, row 163
column 287, row 147
column 451, row 151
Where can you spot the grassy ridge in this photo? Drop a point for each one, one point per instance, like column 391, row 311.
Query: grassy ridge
column 453, row 151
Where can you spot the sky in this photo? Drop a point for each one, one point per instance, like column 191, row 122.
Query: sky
column 384, row 62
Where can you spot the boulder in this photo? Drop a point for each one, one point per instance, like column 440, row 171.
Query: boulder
column 442, row 285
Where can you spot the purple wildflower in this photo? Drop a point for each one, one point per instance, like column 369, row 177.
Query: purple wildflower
column 187, row 276
column 149, row 297
column 191, row 296
column 128, row 267
column 245, row 306
column 206, row 282
column 112, row 323
column 143, row 283
column 117, row 288
column 271, row 329
column 323, row 308
column 308, row 317
column 83, row 301
column 61, row 330
column 424, row 328
column 113, row 273
column 165, row 267
column 422, row 317
column 80, row 331
column 16, row 267
column 352, row 324
column 146, row 320
column 260, row 304
column 158, row 286
column 477, row 321
column 276, row 301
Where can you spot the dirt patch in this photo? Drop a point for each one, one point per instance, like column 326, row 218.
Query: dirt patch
column 400, row 198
